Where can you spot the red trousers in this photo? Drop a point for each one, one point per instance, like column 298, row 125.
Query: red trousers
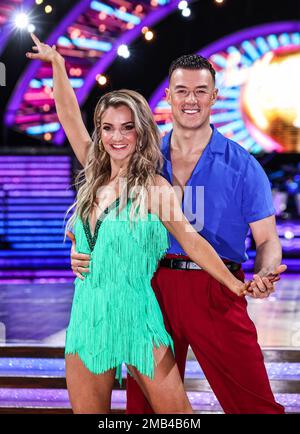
column 200, row 312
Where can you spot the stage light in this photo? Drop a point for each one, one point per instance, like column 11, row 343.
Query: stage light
column 102, row 16
column 145, row 30
column 101, row 79
column 75, row 72
column 102, row 28
column 39, row 2
column 289, row 235
column 31, row 28
column 149, row 35
column 139, row 9
column 182, row 5
column 47, row 136
column 75, row 33
column 186, row 12
column 21, row 20
column 219, row 1
column 123, row 51
column 48, row 9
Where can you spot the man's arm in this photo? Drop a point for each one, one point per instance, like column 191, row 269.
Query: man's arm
column 268, row 248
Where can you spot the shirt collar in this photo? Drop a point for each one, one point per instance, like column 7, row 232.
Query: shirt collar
column 217, row 143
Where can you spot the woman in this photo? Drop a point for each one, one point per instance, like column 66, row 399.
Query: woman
column 123, row 212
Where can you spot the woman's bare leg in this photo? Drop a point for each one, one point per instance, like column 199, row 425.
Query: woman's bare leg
column 88, row 392
column 165, row 392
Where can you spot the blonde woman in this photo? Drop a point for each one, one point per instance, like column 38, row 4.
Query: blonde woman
column 123, row 212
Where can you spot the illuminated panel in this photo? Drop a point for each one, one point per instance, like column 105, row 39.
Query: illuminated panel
column 35, row 194
column 88, row 38
column 7, row 9
column 258, row 72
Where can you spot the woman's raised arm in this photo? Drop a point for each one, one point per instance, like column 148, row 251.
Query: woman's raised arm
column 66, row 103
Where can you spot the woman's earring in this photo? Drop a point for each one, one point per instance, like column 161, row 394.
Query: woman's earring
column 100, row 144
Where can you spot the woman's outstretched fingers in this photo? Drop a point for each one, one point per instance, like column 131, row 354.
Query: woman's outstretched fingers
column 35, row 39
column 32, row 55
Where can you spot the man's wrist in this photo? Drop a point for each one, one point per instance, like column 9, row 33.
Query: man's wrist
column 264, row 271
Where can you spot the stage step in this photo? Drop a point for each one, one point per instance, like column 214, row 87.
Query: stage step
column 45, row 400
column 32, row 380
column 276, row 354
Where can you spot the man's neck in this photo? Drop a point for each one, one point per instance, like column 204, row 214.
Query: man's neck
column 189, row 141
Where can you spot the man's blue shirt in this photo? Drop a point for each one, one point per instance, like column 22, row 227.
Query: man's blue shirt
column 227, row 190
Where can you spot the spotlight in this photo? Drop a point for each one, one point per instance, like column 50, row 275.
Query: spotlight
column 31, row 28
column 289, row 235
column 39, row 2
column 186, row 12
column 21, row 20
column 123, row 51
column 149, row 35
column 47, row 136
column 182, row 5
column 48, row 9
column 102, row 28
column 219, row 1
column 101, row 79
column 139, row 9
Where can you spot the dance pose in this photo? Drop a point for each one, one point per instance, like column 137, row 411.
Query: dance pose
column 123, row 213
column 197, row 310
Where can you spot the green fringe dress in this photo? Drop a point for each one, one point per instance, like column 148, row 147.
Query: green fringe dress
column 115, row 317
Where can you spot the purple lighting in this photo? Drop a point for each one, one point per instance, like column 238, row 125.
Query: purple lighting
column 123, row 36
column 7, row 27
column 235, row 38
column 106, row 60
column 33, row 67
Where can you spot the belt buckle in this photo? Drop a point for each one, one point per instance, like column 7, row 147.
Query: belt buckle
column 192, row 266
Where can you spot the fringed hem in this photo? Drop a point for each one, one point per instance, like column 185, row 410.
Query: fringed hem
column 118, row 365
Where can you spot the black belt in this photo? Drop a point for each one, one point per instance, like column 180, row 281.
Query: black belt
column 183, row 264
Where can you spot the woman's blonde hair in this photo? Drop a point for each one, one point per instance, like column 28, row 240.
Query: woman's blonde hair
column 145, row 163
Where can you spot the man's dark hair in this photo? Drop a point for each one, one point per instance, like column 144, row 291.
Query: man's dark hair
column 192, row 61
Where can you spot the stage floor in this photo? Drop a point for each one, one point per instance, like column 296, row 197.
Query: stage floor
column 34, row 317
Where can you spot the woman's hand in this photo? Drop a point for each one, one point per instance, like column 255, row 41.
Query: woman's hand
column 241, row 288
column 44, row 52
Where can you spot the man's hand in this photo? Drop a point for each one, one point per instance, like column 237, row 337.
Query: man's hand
column 79, row 261
column 263, row 283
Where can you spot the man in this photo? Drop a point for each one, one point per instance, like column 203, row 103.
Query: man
column 198, row 311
